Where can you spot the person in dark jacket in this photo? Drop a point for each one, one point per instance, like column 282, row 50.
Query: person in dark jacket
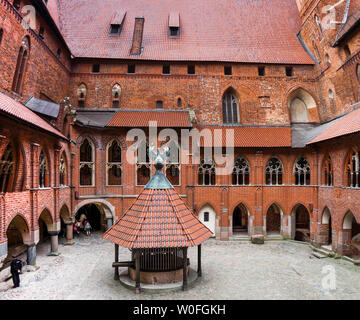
column 15, row 269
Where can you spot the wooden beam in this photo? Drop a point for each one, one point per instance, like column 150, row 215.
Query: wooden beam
column 199, row 261
column 185, row 269
column 137, row 262
column 123, row 264
column 116, row 276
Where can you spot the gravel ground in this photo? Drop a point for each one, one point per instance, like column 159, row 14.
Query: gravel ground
column 231, row 270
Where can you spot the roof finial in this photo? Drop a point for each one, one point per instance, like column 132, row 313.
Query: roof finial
column 159, row 156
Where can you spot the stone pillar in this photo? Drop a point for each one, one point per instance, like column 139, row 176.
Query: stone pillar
column 3, row 252
column 69, row 234
column 54, row 243
column 109, row 222
column 31, row 254
column 286, row 227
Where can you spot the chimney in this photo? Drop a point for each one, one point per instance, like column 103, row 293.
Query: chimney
column 136, row 48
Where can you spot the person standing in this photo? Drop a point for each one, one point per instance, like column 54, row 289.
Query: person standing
column 15, row 268
column 87, row 228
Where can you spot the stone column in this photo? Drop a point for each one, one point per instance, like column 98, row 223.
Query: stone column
column 54, row 243
column 31, row 254
column 69, row 234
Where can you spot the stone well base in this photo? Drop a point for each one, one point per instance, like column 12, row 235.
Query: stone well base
column 158, row 277
column 157, row 288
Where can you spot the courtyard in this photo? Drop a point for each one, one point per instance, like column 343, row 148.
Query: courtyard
column 231, row 270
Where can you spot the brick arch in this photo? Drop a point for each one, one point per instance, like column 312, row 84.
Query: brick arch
column 80, row 139
column 109, row 214
column 183, row 101
column 23, row 224
column 64, row 213
column 108, row 139
column 49, row 163
column 272, row 203
column 346, row 214
column 323, row 218
column 238, row 203
column 47, row 217
column 207, row 203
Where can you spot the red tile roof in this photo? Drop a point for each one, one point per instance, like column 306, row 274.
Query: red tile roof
column 16, row 109
column 352, row 21
column 348, row 124
column 259, row 31
column 158, row 219
column 251, row 136
column 142, row 118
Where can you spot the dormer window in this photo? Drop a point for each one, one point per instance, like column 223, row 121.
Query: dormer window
column 174, row 25
column 117, row 23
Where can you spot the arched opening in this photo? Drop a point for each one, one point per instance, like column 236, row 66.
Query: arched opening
column 351, row 236
column 326, row 229
column 87, row 163
column 274, row 172
column 81, row 93
column 62, row 170
column 273, row 220
column 206, row 173
column 45, row 222
column 241, row 172
column 21, row 66
column 240, row 220
column 64, row 219
column 301, row 104
column 116, row 92
column 17, row 234
column 352, row 169
column 44, row 176
column 114, row 164
column 207, row 216
column 301, row 223
column 302, row 172
column 230, row 104
column 93, row 214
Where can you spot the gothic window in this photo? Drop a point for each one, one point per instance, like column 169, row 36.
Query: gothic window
column 327, row 172
column 43, row 171
column 206, row 173
column 352, row 170
column 62, row 171
column 114, row 164
column 81, row 92
column 173, row 164
column 116, row 91
column 302, row 172
column 21, row 66
column 274, row 172
column 230, row 107
column 241, row 172
column 143, row 164
column 87, row 167
column 6, row 169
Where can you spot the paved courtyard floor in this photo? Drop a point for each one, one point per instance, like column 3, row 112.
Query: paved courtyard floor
column 231, row 270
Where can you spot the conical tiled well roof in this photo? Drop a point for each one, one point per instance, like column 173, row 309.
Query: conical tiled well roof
column 158, row 218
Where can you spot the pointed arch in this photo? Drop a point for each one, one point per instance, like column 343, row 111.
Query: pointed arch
column 241, row 172
column 17, row 231
column 274, row 171
column 274, row 216
column 7, row 169
column 114, row 163
column 302, row 106
column 87, row 163
column 300, row 223
column 207, row 215
column 302, row 172
column 44, row 173
column 230, row 106
column 115, row 94
column 21, row 65
column 81, row 95
column 63, row 178
column 240, row 219
column 352, row 169
column 327, row 171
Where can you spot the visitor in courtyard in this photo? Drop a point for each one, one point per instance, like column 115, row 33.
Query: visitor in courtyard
column 15, row 268
column 87, row 227
column 76, row 229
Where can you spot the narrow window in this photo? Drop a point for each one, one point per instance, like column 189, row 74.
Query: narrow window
column 206, row 216
column 131, row 68
column 81, row 92
column 174, row 31
column 116, row 91
column 159, row 104
column 328, row 172
column 62, row 171
column 166, row 69
column 172, row 168
column 1, row 35
column 96, row 68
column 261, row 71
column 143, row 165
column 114, row 164
column 241, row 172
column 274, row 172
column 206, row 173
column 289, row 71
column 86, row 164
column 58, row 53
column 228, row 70
column 21, row 66
column 6, row 169
column 191, row 69
column 174, row 25
column 179, row 102
column 43, row 171
column 352, row 170
column 302, row 172
column 115, row 29
column 347, row 51
column 230, row 107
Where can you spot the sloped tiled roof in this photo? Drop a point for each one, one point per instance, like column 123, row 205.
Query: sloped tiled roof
column 348, row 124
column 261, row 31
column 350, row 24
column 16, row 109
column 141, row 118
column 159, row 218
column 43, row 107
column 251, row 136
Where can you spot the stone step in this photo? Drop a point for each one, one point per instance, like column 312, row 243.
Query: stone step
column 319, row 255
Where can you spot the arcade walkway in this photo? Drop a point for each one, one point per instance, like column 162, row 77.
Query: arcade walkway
column 276, row 270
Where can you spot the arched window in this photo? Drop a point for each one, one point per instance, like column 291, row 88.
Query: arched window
column 206, row 173
column 87, row 168
column 173, row 163
column 62, row 171
column 143, row 164
column 300, row 102
column 21, row 66
column 241, row 172
column 43, row 171
column 114, row 164
column 328, row 172
column 116, row 92
column 6, row 169
column 179, row 103
column 230, row 107
column 352, row 170
column 81, row 92
column 302, row 172
column 274, row 172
